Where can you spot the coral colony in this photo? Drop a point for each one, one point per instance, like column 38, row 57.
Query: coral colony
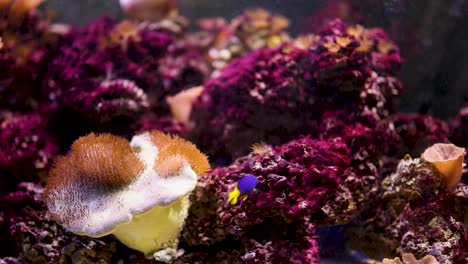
column 108, row 132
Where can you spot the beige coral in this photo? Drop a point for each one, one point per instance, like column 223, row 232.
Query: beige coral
column 448, row 160
column 181, row 103
column 18, row 8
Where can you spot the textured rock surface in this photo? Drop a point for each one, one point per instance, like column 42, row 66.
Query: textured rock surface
column 414, row 214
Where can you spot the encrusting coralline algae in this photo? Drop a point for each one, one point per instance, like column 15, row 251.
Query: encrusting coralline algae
column 313, row 118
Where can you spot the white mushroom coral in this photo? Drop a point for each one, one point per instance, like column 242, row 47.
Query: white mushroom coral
column 137, row 191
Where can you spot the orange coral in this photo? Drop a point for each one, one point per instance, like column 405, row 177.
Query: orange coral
column 261, row 148
column 122, row 34
column 148, row 9
column 448, row 160
column 173, row 151
column 19, row 8
column 104, row 159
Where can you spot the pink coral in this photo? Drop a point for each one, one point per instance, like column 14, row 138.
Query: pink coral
column 270, row 95
column 27, row 148
column 108, row 74
column 417, row 132
column 26, row 47
column 295, row 181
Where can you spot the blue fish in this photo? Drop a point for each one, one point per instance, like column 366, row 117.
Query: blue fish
column 242, row 188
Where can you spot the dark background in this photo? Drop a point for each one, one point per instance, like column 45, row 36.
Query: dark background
column 432, row 35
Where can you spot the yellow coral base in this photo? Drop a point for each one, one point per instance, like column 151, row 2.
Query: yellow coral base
column 156, row 229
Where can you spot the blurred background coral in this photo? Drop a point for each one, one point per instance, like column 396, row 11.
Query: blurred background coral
column 430, row 34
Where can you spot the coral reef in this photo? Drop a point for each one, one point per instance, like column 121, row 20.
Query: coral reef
column 292, row 243
column 259, row 97
column 253, row 30
column 416, row 132
column 415, row 213
column 295, row 181
column 27, row 45
column 271, row 94
column 27, row 148
column 302, row 131
column 321, row 181
column 108, row 74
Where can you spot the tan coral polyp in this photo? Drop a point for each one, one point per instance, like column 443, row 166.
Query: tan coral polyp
column 169, row 166
column 173, row 151
column 181, row 103
column 448, row 160
column 104, row 159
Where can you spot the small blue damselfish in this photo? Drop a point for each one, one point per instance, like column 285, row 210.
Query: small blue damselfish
column 242, row 188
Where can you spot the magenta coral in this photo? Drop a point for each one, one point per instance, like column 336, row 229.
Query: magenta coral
column 417, row 132
column 258, row 97
column 110, row 71
column 27, row 148
column 429, row 230
column 26, row 48
column 295, row 181
column 368, row 141
column 270, row 95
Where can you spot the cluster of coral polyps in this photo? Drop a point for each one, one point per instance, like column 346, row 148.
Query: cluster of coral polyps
column 304, row 133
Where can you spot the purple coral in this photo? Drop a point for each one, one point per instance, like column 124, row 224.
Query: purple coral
column 412, row 133
column 368, row 141
column 110, row 71
column 258, row 97
column 271, row 94
column 292, row 243
column 26, row 47
column 27, row 148
column 165, row 124
column 295, row 181
column 429, row 230
column 417, row 132
column 352, row 67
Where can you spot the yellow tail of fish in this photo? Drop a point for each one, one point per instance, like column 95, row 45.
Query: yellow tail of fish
column 233, row 196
